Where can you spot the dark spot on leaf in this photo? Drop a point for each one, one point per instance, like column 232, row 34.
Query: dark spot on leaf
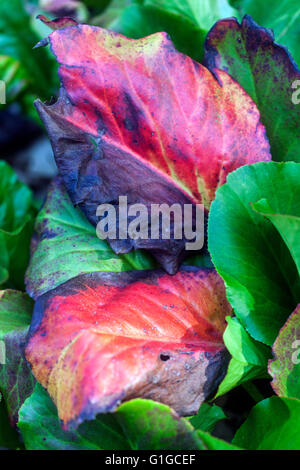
column 164, row 357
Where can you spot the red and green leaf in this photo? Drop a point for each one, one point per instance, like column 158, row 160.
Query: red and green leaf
column 267, row 72
column 285, row 368
column 66, row 245
column 138, row 118
column 103, row 338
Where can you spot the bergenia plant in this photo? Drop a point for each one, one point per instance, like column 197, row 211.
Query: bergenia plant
column 132, row 338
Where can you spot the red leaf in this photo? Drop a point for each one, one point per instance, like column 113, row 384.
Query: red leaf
column 103, row 338
column 57, row 23
column 138, row 118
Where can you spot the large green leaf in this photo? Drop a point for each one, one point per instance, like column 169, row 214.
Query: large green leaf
column 67, row 246
column 138, row 424
column 16, row 380
column 267, row 72
column 260, row 275
column 273, row 424
column 285, row 368
column 16, row 226
column 249, row 357
column 186, row 21
column 204, row 13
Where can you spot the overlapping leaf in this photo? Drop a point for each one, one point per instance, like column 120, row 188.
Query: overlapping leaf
column 273, row 424
column 249, row 357
column 138, row 424
column 119, row 129
column 285, row 368
column 187, row 22
column 282, row 18
column 258, row 269
column 269, row 75
column 287, row 222
column 103, row 338
column 66, row 245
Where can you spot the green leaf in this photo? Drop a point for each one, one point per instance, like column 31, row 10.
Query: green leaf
column 67, row 246
column 186, row 21
column 260, row 275
column 17, row 39
column 41, row 429
column 138, row 21
column 214, row 443
column 14, row 76
column 249, row 357
column 267, row 73
column 154, row 426
column 207, row 417
column 285, row 368
column 16, row 226
column 138, row 424
column 8, row 435
column 282, row 18
column 287, row 223
column 15, row 311
column 273, row 424
column 16, row 380
column 204, row 13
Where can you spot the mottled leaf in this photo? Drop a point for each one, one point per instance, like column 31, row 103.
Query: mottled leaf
column 103, row 338
column 273, row 424
column 119, row 129
column 151, row 425
column 66, row 245
column 16, row 380
column 259, row 272
column 267, row 72
column 285, row 368
column 282, row 18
